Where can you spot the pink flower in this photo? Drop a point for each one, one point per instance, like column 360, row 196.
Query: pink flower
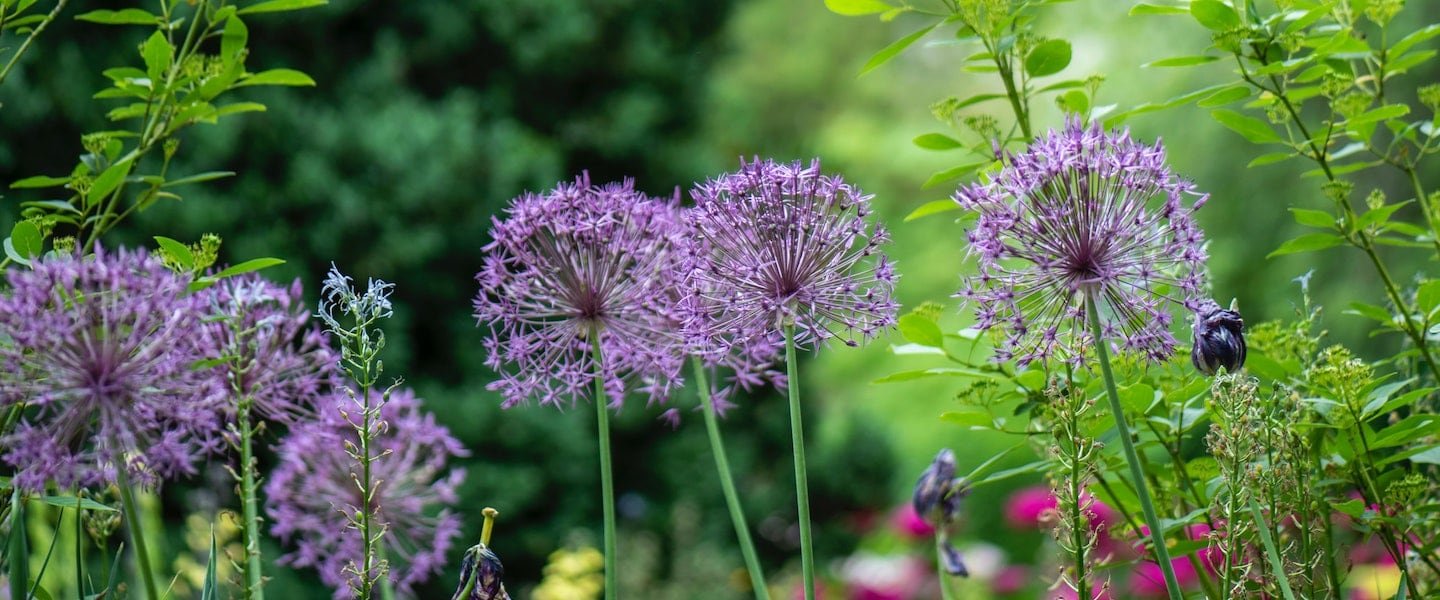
column 909, row 524
column 1010, row 580
column 1029, row 508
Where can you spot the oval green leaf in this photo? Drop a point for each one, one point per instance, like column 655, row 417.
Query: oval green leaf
column 1048, row 58
column 1214, row 14
column 1309, row 242
column 1253, row 129
column 856, row 8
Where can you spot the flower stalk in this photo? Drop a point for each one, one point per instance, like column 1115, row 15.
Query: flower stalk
column 727, row 483
column 1147, row 505
column 802, row 487
column 134, row 527
column 249, row 505
column 607, row 479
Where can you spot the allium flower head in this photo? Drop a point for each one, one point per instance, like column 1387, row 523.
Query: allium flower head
column 312, row 490
column 103, row 351
column 1083, row 212
column 785, row 244
column 275, row 355
column 579, row 261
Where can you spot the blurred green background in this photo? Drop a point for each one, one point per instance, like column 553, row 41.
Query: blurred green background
column 430, row 116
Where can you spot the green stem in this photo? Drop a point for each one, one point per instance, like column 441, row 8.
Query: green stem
column 387, row 589
column 802, row 487
column 1277, row 567
column 945, row 592
column 249, row 503
column 1147, row 506
column 39, row 28
column 131, row 512
column 607, row 480
column 727, row 483
column 367, row 494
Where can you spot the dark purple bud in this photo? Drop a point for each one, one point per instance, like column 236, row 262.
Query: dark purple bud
column 1219, row 339
column 480, row 576
column 954, row 563
column 937, row 492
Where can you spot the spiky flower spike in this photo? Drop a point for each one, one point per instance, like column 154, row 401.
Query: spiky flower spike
column 103, row 351
column 579, row 261
column 279, row 360
column 1083, row 212
column 313, row 491
column 784, row 243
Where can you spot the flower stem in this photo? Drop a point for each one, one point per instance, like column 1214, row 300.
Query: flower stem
column 132, row 525
column 945, row 592
column 249, row 506
column 727, row 483
column 367, row 493
column 802, row 487
column 607, row 481
column 1157, row 536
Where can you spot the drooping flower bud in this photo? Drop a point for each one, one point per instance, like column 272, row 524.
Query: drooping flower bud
column 481, row 576
column 937, row 494
column 1219, row 339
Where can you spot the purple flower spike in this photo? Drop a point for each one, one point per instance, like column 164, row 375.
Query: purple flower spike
column 783, row 243
column 103, row 350
column 312, row 490
column 286, row 364
column 1083, row 212
column 579, row 261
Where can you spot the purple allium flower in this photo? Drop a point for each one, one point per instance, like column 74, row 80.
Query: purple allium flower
column 1083, row 212
column 784, row 243
column 277, row 357
column 579, row 261
column 103, row 352
column 312, row 492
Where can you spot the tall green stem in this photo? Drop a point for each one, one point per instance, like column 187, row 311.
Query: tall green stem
column 727, row 483
column 249, row 503
column 367, row 493
column 132, row 525
column 607, row 480
column 802, row 487
column 1157, row 536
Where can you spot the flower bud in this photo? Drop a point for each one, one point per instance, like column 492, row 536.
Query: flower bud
column 938, row 492
column 480, row 576
column 954, row 563
column 1219, row 340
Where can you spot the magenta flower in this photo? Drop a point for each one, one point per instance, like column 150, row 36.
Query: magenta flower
column 103, row 352
column 1083, row 212
column 784, row 244
column 577, row 262
column 312, row 491
column 275, row 357
column 1030, row 508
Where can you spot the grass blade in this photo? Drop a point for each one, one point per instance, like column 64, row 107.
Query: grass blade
column 1277, row 567
column 18, row 548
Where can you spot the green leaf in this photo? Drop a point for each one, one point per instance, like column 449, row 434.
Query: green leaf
column 1182, row 61
column 254, row 264
column 1277, row 566
column 1214, row 14
column 39, row 181
column 936, row 372
column 239, row 107
column 108, row 180
column 124, row 16
column 1427, row 296
column 1429, row 456
column 1146, row 8
column 1389, row 111
column 1415, row 37
column 1074, row 101
column 895, row 48
column 1353, row 507
column 157, row 53
column 856, row 8
column 210, row 590
column 1409, row 429
column 1309, row 242
column 969, row 418
column 1378, row 216
column 177, row 252
column 277, row 77
column 280, row 5
column 1225, row 96
column 198, row 178
column 1314, row 218
column 921, row 330
column 18, row 551
column 233, row 40
column 70, row 502
column 1253, row 129
column 932, row 207
column 1271, row 158
column 937, row 141
column 1137, row 398
column 1372, row 312
column 1048, row 58
column 26, row 239
column 976, row 99
column 952, row 173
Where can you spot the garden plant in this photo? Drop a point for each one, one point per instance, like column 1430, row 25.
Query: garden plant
column 177, row 421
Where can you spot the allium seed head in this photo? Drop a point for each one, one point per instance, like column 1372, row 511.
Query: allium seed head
column 579, row 261
column 312, row 492
column 276, row 358
column 1083, row 213
column 105, row 353
column 782, row 244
